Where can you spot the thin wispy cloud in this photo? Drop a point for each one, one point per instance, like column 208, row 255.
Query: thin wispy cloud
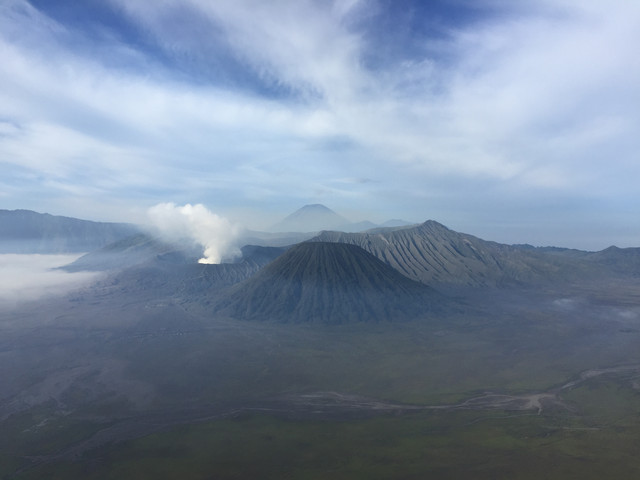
column 451, row 111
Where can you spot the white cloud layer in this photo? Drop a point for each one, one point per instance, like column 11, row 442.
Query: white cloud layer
column 33, row 277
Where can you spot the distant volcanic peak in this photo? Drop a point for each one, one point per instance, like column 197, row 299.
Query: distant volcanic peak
column 318, row 207
column 315, row 211
column 327, row 283
column 311, row 218
column 359, row 226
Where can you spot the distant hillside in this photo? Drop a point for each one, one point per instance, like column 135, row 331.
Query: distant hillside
column 24, row 231
column 395, row 222
column 328, row 283
column 433, row 254
column 358, row 226
column 274, row 239
column 614, row 260
column 130, row 251
column 618, row 260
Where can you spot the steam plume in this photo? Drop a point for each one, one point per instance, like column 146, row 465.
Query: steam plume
column 215, row 234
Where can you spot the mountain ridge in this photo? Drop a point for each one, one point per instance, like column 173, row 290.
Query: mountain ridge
column 433, row 254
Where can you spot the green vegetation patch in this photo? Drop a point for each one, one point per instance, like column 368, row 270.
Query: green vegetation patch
column 479, row 445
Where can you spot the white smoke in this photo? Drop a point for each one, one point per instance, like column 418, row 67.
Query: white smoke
column 215, row 234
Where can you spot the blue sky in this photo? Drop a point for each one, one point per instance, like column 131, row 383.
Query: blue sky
column 513, row 121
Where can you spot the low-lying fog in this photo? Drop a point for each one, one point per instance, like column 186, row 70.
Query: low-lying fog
column 33, row 276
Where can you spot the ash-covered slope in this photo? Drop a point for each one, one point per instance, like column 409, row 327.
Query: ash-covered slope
column 433, row 254
column 25, row 231
column 173, row 274
column 130, row 251
column 328, row 283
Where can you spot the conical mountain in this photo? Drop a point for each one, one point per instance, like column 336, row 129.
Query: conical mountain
column 311, row 218
column 328, row 283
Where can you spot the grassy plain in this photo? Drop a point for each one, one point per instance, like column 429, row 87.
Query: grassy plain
column 425, row 445
column 157, row 391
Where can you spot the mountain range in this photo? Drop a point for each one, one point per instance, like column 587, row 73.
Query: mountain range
column 435, row 255
column 334, row 277
column 402, row 336
column 25, row 231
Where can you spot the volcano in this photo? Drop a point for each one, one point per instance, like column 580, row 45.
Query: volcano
column 330, row 283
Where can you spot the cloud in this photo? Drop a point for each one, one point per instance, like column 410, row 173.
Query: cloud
column 566, row 303
column 241, row 103
column 627, row 314
column 196, row 223
column 527, row 97
column 32, row 277
column 304, row 46
column 550, row 91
